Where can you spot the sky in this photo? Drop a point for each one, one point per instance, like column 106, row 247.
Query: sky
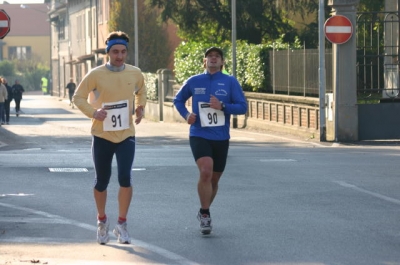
column 23, row 1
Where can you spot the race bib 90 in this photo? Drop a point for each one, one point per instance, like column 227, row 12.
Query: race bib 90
column 117, row 116
column 210, row 117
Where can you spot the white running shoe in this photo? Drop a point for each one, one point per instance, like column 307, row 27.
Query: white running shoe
column 205, row 223
column 121, row 232
column 102, row 232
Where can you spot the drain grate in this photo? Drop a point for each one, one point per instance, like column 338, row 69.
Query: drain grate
column 52, row 169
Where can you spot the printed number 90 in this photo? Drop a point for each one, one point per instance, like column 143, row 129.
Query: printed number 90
column 212, row 118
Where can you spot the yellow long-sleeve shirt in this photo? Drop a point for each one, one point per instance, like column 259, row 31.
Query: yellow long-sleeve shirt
column 102, row 86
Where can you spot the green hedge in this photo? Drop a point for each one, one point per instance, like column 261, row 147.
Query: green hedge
column 252, row 62
column 151, row 82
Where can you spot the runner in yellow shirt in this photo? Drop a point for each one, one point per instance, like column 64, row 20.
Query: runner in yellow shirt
column 109, row 95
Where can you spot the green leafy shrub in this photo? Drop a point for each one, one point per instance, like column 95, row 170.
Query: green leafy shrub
column 252, row 61
column 7, row 68
column 151, row 81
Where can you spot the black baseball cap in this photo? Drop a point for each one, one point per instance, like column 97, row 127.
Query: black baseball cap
column 214, row 49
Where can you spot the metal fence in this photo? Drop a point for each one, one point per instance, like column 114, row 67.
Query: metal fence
column 378, row 55
column 296, row 72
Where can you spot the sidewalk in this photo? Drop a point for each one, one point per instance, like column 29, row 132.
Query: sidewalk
column 172, row 132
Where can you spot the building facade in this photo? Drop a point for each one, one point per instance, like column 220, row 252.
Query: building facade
column 29, row 36
column 79, row 29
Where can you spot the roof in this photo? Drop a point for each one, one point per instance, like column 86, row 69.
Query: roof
column 27, row 20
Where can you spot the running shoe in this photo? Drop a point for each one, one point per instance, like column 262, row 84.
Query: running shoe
column 102, row 232
column 205, row 223
column 121, row 232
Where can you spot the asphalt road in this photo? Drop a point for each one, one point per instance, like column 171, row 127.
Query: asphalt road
column 282, row 200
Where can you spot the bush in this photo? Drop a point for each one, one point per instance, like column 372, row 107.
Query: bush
column 252, row 62
column 151, row 82
column 7, row 68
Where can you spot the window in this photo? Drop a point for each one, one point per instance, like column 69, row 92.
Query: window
column 61, row 29
column 100, row 12
column 19, row 52
column 107, row 10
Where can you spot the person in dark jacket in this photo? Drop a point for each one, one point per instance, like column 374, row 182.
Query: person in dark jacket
column 7, row 102
column 17, row 90
column 71, row 90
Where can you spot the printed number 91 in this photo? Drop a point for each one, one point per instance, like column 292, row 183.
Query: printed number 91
column 116, row 121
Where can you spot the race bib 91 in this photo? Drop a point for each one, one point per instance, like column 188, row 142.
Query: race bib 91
column 210, row 117
column 117, row 116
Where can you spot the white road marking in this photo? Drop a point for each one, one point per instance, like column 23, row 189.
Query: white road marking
column 278, row 160
column 52, row 169
column 59, row 219
column 16, row 194
column 377, row 195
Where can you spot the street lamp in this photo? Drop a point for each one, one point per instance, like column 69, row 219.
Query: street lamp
column 234, row 117
column 23, row 6
column 136, row 36
column 322, row 76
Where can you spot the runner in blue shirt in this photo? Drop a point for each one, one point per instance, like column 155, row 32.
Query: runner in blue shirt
column 215, row 97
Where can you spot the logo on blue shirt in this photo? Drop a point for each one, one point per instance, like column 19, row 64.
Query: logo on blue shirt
column 221, row 92
column 199, row 90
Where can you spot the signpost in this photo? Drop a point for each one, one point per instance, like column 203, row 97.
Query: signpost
column 338, row 29
column 4, row 23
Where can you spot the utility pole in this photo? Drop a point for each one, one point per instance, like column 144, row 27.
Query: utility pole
column 234, row 117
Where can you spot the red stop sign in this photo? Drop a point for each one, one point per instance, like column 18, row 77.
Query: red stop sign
column 4, row 23
column 338, row 29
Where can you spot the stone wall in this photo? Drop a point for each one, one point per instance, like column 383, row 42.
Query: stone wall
column 270, row 112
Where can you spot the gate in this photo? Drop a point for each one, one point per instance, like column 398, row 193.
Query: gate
column 378, row 75
column 378, row 55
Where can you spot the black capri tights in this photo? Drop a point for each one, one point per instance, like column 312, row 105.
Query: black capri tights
column 103, row 152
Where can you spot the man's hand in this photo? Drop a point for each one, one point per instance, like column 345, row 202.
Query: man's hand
column 139, row 112
column 191, row 118
column 215, row 103
column 100, row 114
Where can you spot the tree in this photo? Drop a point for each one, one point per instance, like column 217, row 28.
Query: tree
column 257, row 20
column 7, row 68
column 30, row 71
column 153, row 51
column 299, row 7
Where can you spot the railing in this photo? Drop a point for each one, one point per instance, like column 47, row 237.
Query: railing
column 295, row 72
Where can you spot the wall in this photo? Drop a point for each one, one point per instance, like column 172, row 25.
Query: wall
column 278, row 113
column 378, row 121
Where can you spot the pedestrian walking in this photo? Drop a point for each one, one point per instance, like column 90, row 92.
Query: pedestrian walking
column 115, row 91
column 215, row 96
column 17, row 90
column 71, row 90
column 3, row 98
column 43, row 84
column 7, row 103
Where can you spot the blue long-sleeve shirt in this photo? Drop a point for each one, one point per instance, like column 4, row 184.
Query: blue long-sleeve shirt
column 226, row 88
